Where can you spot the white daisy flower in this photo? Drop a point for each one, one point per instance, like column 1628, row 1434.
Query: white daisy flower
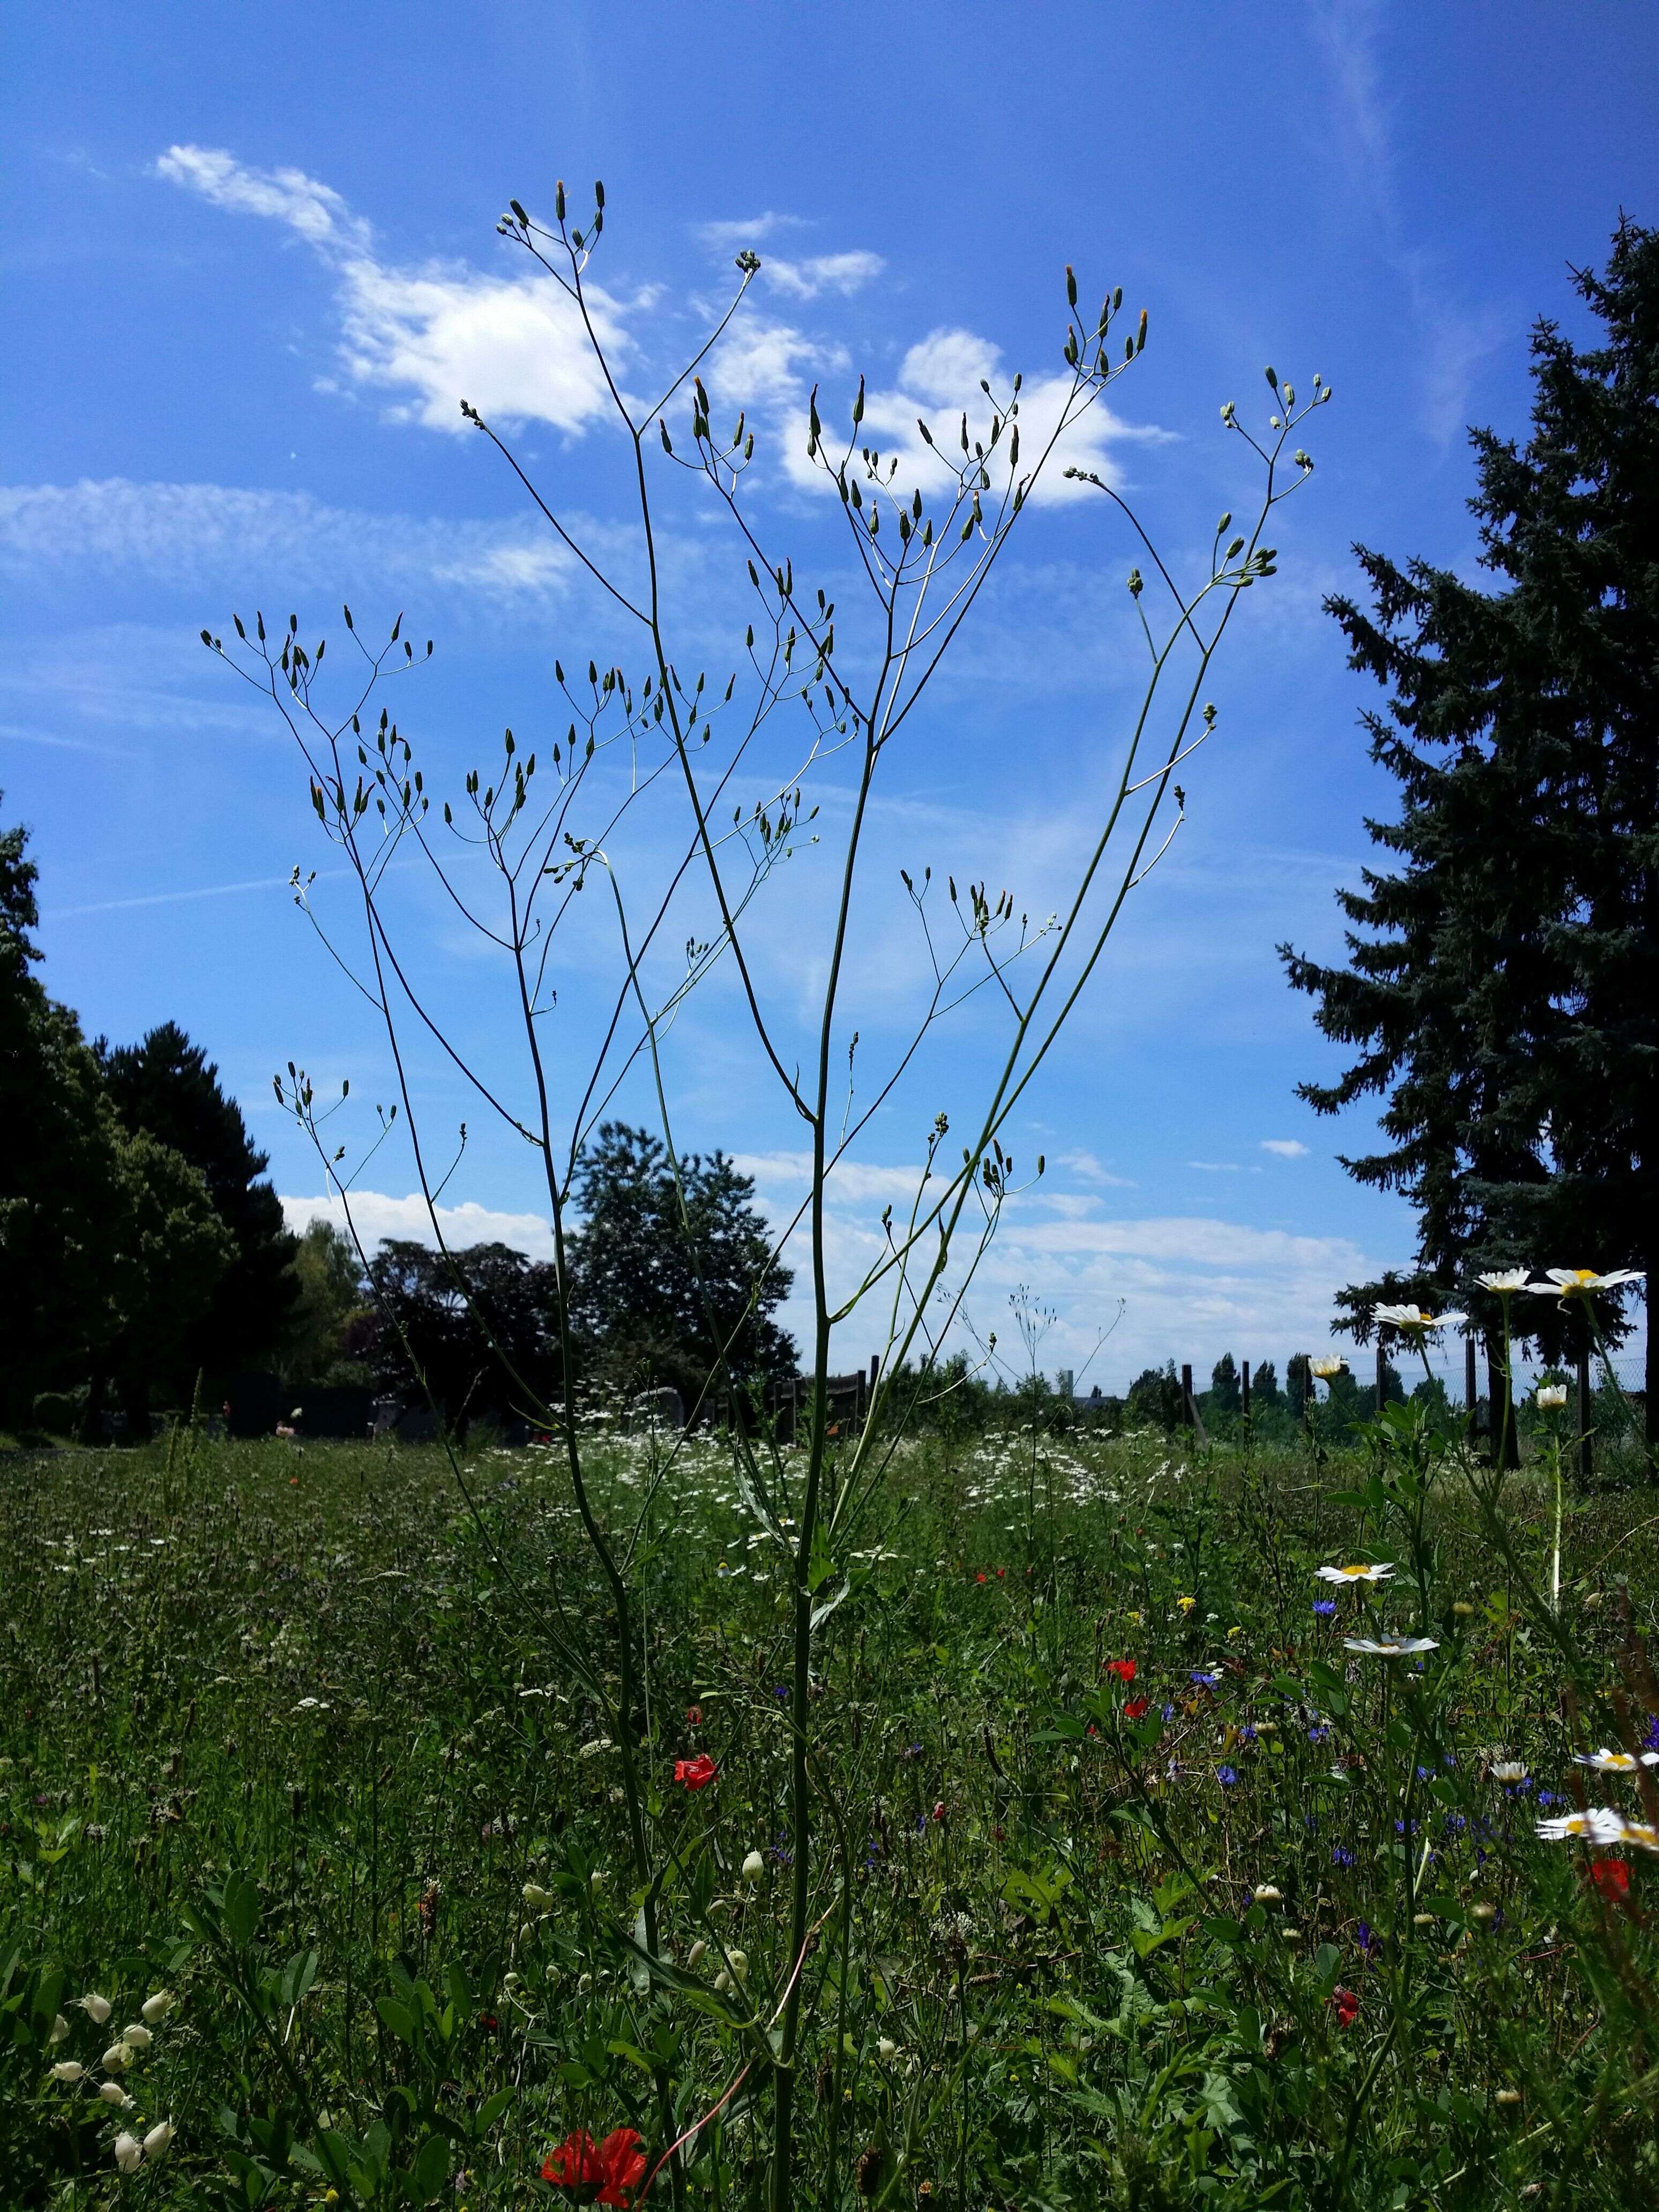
column 1616, row 1762
column 1552, row 1396
column 1508, row 1770
column 1411, row 1320
column 1505, row 1280
column 1394, row 1647
column 1583, row 1282
column 1357, row 1573
column 1599, row 1824
column 1327, row 1370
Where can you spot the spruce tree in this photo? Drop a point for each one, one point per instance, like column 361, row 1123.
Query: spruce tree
column 1502, row 986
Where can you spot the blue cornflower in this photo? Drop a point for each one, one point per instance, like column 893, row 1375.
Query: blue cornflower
column 1324, row 1606
column 1169, row 1712
column 1365, row 1937
column 1226, row 1776
column 1341, row 1857
column 1318, row 1732
column 1546, row 1797
column 780, row 1693
column 1205, row 1682
column 1650, row 1740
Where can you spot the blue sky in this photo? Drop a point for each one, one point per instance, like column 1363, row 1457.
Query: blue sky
column 250, row 266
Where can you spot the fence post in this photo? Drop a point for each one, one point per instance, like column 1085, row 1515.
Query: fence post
column 1584, row 1460
column 1187, row 1408
column 1244, row 1389
column 1382, row 1373
column 1471, row 1381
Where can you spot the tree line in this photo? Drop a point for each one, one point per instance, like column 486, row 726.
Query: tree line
column 143, row 1251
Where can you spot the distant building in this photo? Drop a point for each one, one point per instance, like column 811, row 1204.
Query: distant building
column 1065, row 1384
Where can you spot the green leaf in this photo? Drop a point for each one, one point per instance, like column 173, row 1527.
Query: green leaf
column 242, row 1910
column 491, row 2110
column 397, row 2017
column 431, row 2168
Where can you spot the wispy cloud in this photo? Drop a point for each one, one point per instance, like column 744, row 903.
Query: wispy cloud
column 1287, row 1148
column 749, row 230
column 194, row 532
column 1456, row 335
column 1086, row 1165
column 845, row 273
column 515, row 348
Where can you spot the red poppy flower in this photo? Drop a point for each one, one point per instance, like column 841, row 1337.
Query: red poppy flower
column 939, row 1810
column 1000, row 1572
column 979, row 1578
column 696, row 1773
column 1137, row 1708
column 1125, row 1669
column 1612, row 1879
column 694, row 1716
column 617, row 2165
column 1346, row 2006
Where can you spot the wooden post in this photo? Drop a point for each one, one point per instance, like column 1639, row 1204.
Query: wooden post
column 1584, row 1461
column 875, row 1369
column 1382, row 1373
column 1244, row 1389
column 1187, row 1409
column 1471, row 1381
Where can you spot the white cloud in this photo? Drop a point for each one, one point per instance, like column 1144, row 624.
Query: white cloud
column 1287, row 1148
column 749, row 230
column 1086, row 1165
column 939, row 378
column 239, row 538
column 1216, row 1167
column 515, row 348
column 316, row 212
column 377, row 1215
column 845, row 273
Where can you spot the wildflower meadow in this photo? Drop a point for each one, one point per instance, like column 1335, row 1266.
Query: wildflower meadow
column 1245, row 1827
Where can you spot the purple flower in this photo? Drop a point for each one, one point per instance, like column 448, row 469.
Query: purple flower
column 1341, row 1857
column 1226, row 1776
column 1547, row 1796
column 1169, row 1712
column 1318, row 1732
column 1205, row 1682
column 1650, row 1740
column 1324, row 1606
column 1366, row 1938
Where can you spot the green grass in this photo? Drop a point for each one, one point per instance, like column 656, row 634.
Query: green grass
column 282, row 1734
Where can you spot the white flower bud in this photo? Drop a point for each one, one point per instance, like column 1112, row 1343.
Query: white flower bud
column 114, row 2094
column 740, row 1964
column 158, row 2007
column 697, row 1953
column 886, row 2050
column 1266, row 1895
column 129, row 2153
column 753, row 1867
column 116, row 2058
column 96, row 2009
column 68, row 2069
column 160, row 2136
column 138, row 2035
column 59, row 2029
